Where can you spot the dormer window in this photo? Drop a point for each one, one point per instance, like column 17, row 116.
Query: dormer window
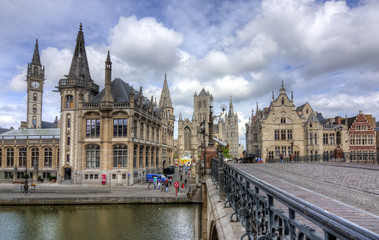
column 282, row 100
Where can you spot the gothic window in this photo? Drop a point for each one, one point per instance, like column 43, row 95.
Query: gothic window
column 289, row 134
column 35, row 70
column 140, row 156
column 93, row 128
column 68, row 141
column 69, row 101
column 282, row 100
column 34, row 108
column 10, row 157
column 283, row 134
column 158, row 135
column 68, row 121
column 331, row 136
column 325, row 138
column 22, row 157
column 147, row 156
column 315, row 138
column 187, row 139
column 152, row 134
column 35, row 97
column 120, row 127
column 311, row 138
column 277, row 134
column 141, row 131
column 283, row 120
column 48, row 157
column 277, row 151
column 34, row 122
column 147, row 132
column 35, row 157
column 135, row 128
column 120, row 156
column 93, row 156
column 284, row 151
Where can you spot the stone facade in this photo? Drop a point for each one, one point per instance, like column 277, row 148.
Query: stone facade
column 283, row 129
column 190, row 139
column 117, row 132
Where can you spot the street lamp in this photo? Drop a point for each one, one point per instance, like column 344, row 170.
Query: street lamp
column 291, row 154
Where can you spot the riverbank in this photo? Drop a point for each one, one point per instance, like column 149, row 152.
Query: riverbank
column 60, row 194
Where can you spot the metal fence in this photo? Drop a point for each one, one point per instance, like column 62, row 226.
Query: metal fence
column 346, row 157
column 253, row 202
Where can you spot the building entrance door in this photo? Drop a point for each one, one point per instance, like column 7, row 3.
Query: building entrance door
column 67, row 174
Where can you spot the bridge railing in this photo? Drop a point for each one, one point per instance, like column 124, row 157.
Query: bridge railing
column 349, row 157
column 253, row 202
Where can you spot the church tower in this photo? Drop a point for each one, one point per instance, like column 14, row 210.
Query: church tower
column 35, row 78
column 231, row 130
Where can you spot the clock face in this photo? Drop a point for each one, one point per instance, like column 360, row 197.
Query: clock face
column 35, row 84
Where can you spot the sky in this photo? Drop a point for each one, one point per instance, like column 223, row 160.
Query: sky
column 326, row 52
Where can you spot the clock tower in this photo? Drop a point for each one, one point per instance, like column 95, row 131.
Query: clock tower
column 35, row 78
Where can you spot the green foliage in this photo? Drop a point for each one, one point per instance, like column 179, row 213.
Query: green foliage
column 225, row 152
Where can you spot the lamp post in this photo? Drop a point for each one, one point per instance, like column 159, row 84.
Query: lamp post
column 291, row 154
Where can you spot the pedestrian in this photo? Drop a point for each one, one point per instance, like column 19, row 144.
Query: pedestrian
column 166, row 187
column 181, row 177
column 182, row 185
column 170, row 181
column 281, row 158
column 185, row 182
column 159, row 185
column 163, row 186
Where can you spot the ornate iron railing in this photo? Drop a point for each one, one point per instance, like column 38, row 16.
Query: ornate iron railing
column 253, row 202
column 215, row 171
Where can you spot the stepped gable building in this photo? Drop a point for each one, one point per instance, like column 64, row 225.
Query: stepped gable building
column 116, row 133
column 190, row 141
column 284, row 129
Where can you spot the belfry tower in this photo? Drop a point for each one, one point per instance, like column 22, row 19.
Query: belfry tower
column 35, row 78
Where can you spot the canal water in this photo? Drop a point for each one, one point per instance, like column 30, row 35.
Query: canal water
column 129, row 221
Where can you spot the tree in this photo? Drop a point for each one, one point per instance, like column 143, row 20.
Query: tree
column 225, row 152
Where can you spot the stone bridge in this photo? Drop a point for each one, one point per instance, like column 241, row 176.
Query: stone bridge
column 291, row 201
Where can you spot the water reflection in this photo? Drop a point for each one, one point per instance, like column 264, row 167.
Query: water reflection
column 145, row 221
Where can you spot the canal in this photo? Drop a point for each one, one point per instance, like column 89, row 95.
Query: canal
column 128, row 221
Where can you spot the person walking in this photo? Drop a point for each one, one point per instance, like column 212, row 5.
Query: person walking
column 185, row 182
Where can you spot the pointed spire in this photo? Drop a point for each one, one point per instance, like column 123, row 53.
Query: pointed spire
column 165, row 99
column 107, row 97
column 231, row 110
column 180, row 117
column 256, row 111
column 36, row 59
column 193, row 117
column 79, row 64
column 282, row 89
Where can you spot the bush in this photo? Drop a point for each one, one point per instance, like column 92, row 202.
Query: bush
column 40, row 179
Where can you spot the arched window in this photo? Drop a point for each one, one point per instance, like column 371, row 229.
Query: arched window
column 22, row 157
column 69, row 101
column 120, row 156
column 187, row 139
column 35, row 157
column 35, row 97
column 283, row 120
column 34, row 108
column 35, row 69
column 93, row 156
column 48, row 157
column 34, row 122
column 282, row 100
column 68, row 121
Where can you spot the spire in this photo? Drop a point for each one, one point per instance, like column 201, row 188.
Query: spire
column 36, row 60
column 231, row 111
column 79, row 65
column 180, row 117
column 107, row 97
column 291, row 96
column 165, row 100
column 282, row 89
column 193, row 117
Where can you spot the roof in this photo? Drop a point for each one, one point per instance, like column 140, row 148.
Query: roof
column 49, row 125
column 32, row 133
column 3, row 130
column 203, row 93
column 120, row 91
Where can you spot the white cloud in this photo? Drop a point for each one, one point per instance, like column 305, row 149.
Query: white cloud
column 145, row 42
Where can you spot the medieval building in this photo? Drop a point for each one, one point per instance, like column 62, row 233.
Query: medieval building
column 193, row 134
column 117, row 133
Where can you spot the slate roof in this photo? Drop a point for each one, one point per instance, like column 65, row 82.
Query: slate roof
column 49, row 124
column 120, row 91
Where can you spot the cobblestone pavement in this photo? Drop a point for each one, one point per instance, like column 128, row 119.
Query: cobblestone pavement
column 343, row 189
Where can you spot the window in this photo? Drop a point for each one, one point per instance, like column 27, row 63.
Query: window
column 271, row 155
column 331, row 136
column 93, row 128
column 35, row 97
column 140, row 156
column 141, row 134
column 34, row 121
column 283, row 134
column 120, row 156
column 120, row 127
column 93, row 156
column 187, row 139
column 277, row 135
column 147, row 132
column 283, row 120
column 48, row 157
column 68, row 158
column 68, row 122
column 147, row 156
column 325, row 138
column 69, row 101
column 68, row 141
column 152, row 134
column 282, row 100
column 277, row 151
column 135, row 128
column 289, row 134
column 57, row 156
column 34, row 108
column 35, row 157
column 10, row 155
column 22, row 157
column 315, row 138
column 284, row 151
column 311, row 138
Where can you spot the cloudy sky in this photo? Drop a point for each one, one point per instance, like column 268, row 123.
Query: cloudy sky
column 326, row 52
